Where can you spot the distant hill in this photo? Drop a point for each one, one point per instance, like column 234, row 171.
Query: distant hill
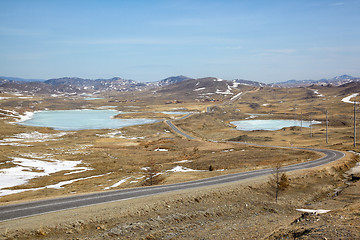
column 350, row 88
column 21, row 79
column 72, row 85
column 249, row 83
column 77, row 85
column 203, row 88
column 335, row 81
column 168, row 81
column 113, row 84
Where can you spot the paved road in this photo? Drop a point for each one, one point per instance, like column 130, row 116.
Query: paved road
column 39, row 207
column 174, row 128
column 45, row 206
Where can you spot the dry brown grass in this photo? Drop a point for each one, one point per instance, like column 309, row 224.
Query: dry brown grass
column 124, row 157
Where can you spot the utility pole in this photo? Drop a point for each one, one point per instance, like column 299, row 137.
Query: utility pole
column 355, row 122
column 301, row 122
column 327, row 125
column 310, row 124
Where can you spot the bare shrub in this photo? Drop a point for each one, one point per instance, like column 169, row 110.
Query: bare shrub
column 278, row 181
column 153, row 174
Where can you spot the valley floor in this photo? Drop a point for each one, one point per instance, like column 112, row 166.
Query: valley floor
column 243, row 210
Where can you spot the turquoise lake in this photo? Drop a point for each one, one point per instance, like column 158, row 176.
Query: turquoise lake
column 270, row 125
column 69, row 120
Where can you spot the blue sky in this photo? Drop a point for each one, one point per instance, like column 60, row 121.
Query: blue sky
column 148, row 40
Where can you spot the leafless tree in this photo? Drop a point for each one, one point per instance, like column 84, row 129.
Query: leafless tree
column 153, row 175
column 278, row 181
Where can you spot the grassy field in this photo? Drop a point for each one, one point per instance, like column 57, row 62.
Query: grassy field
column 110, row 159
column 115, row 155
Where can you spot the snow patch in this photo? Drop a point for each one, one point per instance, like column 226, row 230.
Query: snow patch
column 161, row 150
column 183, row 161
column 182, row 169
column 55, row 186
column 320, row 211
column 27, row 169
column 347, row 99
column 317, row 92
column 199, row 89
column 33, row 137
column 227, row 92
column 117, row 184
column 236, row 96
column 118, row 134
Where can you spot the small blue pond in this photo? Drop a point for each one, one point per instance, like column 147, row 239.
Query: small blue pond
column 69, row 120
column 271, row 125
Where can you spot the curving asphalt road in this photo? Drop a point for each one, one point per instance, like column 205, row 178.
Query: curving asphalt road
column 175, row 129
column 15, row 211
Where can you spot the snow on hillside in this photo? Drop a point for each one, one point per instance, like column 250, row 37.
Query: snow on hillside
column 348, row 98
column 29, row 168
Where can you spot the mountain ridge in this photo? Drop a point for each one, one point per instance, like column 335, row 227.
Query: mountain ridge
column 77, row 85
column 335, row 81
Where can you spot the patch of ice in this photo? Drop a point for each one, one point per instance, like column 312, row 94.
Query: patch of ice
column 23, row 118
column 183, row 161
column 55, row 186
column 218, row 80
column 33, row 137
column 235, row 84
column 199, row 89
column 227, row 92
column 9, row 113
column 80, row 171
column 36, row 155
column 161, row 150
column 347, row 99
column 228, row 150
column 118, row 134
column 118, row 183
column 317, row 92
column 236, row 96
column 14, row 144
column 182, row 169
column 320, row 211
column 25, row 97
column 106, row 107
column 110, row 134
column 27, row 169
column 252, row 116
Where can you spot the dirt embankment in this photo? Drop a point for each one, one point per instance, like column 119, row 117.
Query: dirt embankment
column 243, row 210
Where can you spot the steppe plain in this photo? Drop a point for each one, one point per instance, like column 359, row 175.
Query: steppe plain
column 244, row 210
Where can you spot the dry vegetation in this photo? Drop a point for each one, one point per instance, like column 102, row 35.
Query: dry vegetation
column 215, row 212
column 245, row 210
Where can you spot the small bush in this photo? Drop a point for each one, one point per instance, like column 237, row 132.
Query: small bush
column 278, row 181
